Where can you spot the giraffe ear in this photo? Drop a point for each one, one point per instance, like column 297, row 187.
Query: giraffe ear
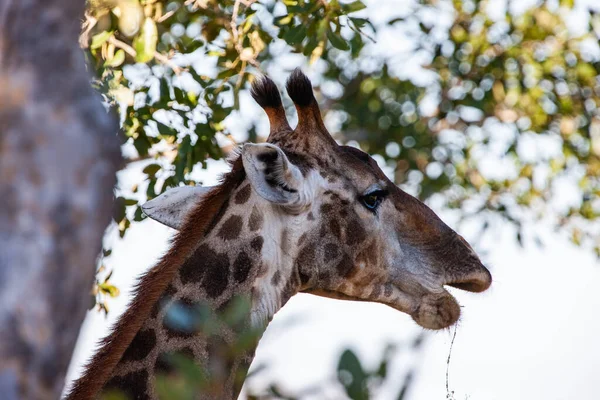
column 271, row 173
column 171, row 207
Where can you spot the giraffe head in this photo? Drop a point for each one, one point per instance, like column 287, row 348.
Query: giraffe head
column 355, row 235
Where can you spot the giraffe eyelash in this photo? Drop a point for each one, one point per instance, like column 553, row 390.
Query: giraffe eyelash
column 373, row 200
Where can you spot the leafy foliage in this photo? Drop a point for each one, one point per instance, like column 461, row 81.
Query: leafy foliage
column 518, row 90
column 353, row 378
column 189, row 379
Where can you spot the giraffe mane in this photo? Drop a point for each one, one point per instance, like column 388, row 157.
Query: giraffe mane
column 200, row 221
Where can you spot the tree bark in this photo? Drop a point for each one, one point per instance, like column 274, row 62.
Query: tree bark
column 59, row 152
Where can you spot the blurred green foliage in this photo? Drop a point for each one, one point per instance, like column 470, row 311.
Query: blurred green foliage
column 354, row 379
column 185, row 379
column 180, row 378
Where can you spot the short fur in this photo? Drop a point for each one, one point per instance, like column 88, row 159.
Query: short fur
column 200, row 221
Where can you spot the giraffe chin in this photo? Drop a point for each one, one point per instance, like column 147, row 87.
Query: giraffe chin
column 437, row 311
column 433, row 311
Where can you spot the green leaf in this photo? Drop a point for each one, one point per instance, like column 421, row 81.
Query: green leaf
column 359, row 22
column 165, row 130
column 295, row 35
column 117, row 59
column 396, row 20
column 119, row 209
column 109, row 289
column 353, row 7
column 312, row 44
column 352, row 376
column 145, row 42
column 586, row 71
column 99, row 39
column 567, row 3
column 226, row 73
column 179, row 95
column 165, row 91
column 197, row 77
column 138, row 215
column 236, row 311
column 383, row 369
column 182, row 158
column 322, row 27
column 283, row 20
column 336, row 41
column 123, row 226
column 150, row 192
column 151, row 169
column 142, row 144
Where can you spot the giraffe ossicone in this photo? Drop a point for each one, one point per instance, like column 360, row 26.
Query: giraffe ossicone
column 299, row 213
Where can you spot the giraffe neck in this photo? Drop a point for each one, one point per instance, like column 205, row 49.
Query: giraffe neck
column 247, row 254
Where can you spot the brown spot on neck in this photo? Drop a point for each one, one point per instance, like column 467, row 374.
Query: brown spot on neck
column 217, row 277
column 141, row 346
column 231, row 228
column 305, row 262
column 302, row 239
column 257, row 243
column 285, row 242
column 133, row 385
column 276, row 278
column 241, row 267
column 355, row 233
column 195, row 267
column 256, row 220
column 243, row 194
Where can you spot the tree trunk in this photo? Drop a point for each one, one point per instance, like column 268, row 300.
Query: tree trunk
column 58, row 156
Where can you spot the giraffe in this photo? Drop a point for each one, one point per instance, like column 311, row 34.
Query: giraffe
column 298, row 213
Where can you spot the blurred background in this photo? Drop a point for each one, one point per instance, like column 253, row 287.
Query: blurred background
column 486, row 110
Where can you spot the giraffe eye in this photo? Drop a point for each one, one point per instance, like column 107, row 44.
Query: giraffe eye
column 373, row 200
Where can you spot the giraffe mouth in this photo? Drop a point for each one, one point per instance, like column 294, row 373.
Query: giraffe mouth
column 431, row 309
column 475, row 282
column 440, row 310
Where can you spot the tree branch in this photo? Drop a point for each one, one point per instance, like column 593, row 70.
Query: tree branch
column 236, row 34
column 158, row 56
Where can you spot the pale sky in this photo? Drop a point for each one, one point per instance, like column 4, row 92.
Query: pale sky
column 533, row 335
